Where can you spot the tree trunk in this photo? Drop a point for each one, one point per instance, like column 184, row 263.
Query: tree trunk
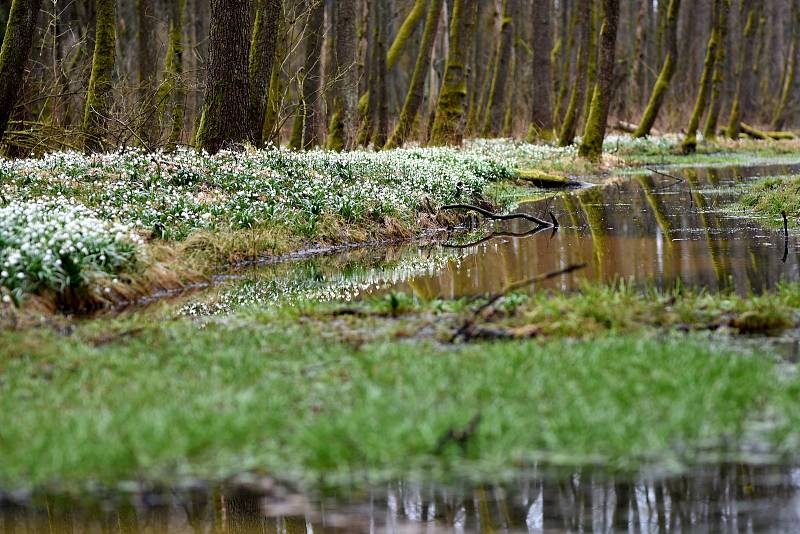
column 690, row 142
column 261, row 61
column 380, row 115
column 224, row 120
column 779, row 117
column 666, row 74
column 17, row 42
column 413, row 100
column 306, row 127
column 638, row 77
column 175, row 72
column 747, row 15
column 595, row 131
column 345, row 85
column 98, row 97
column 570, row 126
column 147, row 61
column 542, row 105
column 493, row 120
column 448, row 127
column 710, row 130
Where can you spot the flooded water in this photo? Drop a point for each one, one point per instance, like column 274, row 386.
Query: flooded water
column 725, row 498
column 645, row 228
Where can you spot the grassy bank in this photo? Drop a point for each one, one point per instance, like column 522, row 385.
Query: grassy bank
column 332, row 390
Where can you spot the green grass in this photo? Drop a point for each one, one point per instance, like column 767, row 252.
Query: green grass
column 772, row 196
column 306, row 392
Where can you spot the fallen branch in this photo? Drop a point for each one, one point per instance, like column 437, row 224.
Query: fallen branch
column 763, row 135
column 469, row 323
column 496, row 217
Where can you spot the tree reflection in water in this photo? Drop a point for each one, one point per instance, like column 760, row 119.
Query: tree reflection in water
column 727, row 497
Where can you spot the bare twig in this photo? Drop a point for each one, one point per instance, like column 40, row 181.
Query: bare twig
column 785, row 236
column 469, row 323
column 496, row 217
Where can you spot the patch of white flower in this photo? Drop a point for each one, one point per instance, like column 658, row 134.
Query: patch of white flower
column 57, row 244
column 171, row 194
column 518, row 154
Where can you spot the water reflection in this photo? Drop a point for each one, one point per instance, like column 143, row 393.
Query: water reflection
column 725, row 498
column 650, row 229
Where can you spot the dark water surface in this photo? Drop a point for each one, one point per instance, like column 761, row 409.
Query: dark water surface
column 724, row 498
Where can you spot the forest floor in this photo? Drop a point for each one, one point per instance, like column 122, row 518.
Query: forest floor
column 608, row 375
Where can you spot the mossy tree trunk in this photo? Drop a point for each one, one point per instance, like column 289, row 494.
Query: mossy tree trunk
column 172, row 91
column 146, row 67
column 17, row 42
column 225, row 110
column 710, row 130
column 595, row 131
column 341, row 126
column 638, row 77
column 271, row 127
column 448, row 127
column 482, row 70
column 591, row 68
column 570, row 125
column 399, row 45
column 98, row 97
column 690, row 141
column 260, row 64
column 779, row 116
column 306, row 127
column 380, row 114
column 495, row 109
column 374, row 123
column 542, row 106
column 563, row 93
column 747, row 14
column 413, row 100
column 664, row 79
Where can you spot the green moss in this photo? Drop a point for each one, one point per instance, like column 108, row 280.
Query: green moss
column 542, row 178
column 98, row 96
column 690, row 142
column 665, row 76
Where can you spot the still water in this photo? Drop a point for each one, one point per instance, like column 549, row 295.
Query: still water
column 723, row 498
column 645, row 228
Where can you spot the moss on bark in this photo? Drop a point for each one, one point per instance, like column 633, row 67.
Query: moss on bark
column 665, row 76
column 260, row 64
column 98, row 97
column 594, row 134
column 689, row 145
column 413, row 99
column 17, row 42
column 570, row 125
column 448, row 127
column 710, row 129
column 746, row 54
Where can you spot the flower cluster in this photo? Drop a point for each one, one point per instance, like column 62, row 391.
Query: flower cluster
column 57, row 245
column 171, row 194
